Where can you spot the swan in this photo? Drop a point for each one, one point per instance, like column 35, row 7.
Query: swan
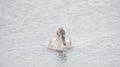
column 60, row 41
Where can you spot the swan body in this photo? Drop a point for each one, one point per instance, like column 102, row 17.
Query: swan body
column 60, row 41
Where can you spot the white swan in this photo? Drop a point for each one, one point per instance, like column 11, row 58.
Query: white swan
column 60, row 41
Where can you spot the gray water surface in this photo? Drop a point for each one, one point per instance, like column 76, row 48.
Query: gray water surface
column 26, row 26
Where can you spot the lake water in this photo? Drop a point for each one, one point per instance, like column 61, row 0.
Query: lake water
column 26, row 27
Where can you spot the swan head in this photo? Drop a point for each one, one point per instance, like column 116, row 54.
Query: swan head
column 61, row 34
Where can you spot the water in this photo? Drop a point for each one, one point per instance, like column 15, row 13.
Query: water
column 26, row 26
